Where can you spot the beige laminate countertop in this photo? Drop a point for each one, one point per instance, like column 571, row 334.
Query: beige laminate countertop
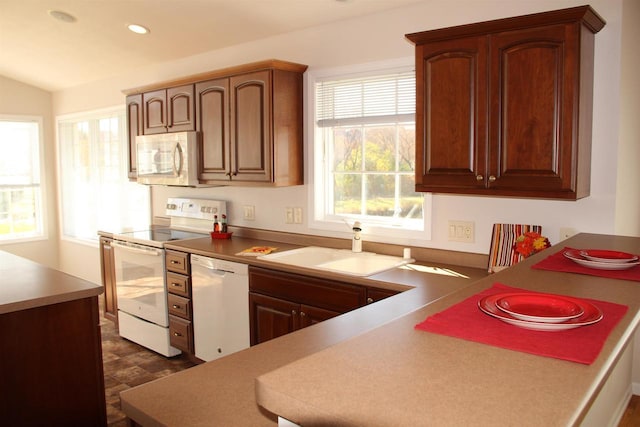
column 222, row 392
column 395, row 375
column 27, row 284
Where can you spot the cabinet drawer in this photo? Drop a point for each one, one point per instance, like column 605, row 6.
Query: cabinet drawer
column 179, row 306
column 377, row 294
column 181, row 334
column 179, row 285
column 327, row 294
column 177, row 262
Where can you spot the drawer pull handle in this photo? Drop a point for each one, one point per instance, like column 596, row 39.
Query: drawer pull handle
column 176, row 306
column 177, row 334
column 175, row 284
column 173, row 261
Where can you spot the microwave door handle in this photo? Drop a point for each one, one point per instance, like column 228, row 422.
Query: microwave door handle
column 177, row 154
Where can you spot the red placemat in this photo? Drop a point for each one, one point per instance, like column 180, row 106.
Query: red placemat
column 465, row 320
column 559, row 262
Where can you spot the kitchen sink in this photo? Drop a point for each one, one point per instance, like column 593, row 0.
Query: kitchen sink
column 341, row 261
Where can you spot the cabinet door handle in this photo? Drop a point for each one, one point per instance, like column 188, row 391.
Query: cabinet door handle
column 479, row 177
column 293, row 312
column 492, row 178
column 369, row 300
column 302, row 314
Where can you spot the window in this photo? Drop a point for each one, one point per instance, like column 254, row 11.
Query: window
column 364, row 151
column 21, row 198
column 95, row 191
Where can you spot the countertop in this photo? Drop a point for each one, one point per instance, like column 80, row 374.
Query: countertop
column 222, row 392
column 396, row 375
column 370, row 367
column 27, row 284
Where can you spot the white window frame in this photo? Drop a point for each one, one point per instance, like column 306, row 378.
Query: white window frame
column 87, row 115
column 340, row 224
column 41, row 204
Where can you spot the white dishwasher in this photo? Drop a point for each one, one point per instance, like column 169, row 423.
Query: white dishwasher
column 220, row 298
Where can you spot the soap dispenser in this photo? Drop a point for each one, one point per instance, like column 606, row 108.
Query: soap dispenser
column 356, row 244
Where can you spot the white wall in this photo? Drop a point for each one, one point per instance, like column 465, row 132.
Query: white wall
column 381, row 37
column 628, row 204
column 21, row 99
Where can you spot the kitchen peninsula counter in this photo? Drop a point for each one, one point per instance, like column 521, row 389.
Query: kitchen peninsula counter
column 51, row 358
column 27, row 284
column 372, row 361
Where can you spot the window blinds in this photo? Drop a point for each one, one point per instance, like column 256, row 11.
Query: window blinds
column 374, row 99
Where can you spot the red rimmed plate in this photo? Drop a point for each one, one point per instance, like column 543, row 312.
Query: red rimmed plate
column 575, row 256
column 603, row 255
column 545, row 308
column 591, row 314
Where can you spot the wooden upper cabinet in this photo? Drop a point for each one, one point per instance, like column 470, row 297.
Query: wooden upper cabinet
column 212, row 113
column 251, row 127
column 134, row 128
column 504, row 107
column 249, row 119
column 169, row 110
column 251, row 151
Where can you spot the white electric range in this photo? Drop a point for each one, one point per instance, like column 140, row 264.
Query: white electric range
column 140, row 270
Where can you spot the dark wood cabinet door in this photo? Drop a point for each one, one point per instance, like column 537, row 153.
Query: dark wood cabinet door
column 154, row 112
column 310, row 315
column 451, row 110
column 212, row 112
column 533, row 76
column 107, row 267
column 181, row 109
column 251, row 152
column 134, row 128
column 271, row 317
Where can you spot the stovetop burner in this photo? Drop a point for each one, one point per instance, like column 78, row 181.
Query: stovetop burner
column 157, row 236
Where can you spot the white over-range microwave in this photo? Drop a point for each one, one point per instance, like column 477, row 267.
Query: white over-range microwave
column 168, row 159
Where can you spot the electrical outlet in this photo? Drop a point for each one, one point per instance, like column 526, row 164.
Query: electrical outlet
column 249, row 212
column 566, row 232
column 297, row 215
column 288, row 215
column 462, row 231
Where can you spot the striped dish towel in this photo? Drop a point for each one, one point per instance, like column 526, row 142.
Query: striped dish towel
column 503, row 240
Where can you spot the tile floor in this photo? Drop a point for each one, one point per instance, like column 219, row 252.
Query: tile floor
column 127, row 364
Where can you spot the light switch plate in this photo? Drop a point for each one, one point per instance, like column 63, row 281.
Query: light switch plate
column 461, row 231
column 249, row 212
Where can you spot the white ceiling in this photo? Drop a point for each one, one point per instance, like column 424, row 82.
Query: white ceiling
column 50, row 54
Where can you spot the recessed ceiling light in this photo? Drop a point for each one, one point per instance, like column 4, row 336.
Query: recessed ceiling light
column 62, row 16
column 138, row 29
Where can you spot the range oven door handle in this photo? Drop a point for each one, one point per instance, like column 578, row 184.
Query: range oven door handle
column 137, row 248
